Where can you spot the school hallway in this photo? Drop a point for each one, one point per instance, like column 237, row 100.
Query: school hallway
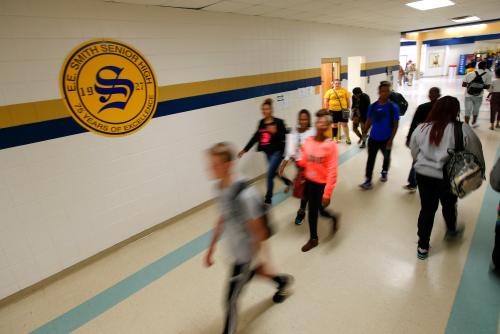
column 367, row 279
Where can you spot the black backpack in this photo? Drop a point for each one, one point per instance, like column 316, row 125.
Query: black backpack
column 476, row 86
column 400, row 101
column 463, row 170
column 242, row 185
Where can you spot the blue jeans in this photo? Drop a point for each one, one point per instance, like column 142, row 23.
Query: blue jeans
column 274, row 160
column 412, row 177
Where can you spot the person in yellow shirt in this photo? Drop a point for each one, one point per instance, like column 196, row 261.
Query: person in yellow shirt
column 338, row 101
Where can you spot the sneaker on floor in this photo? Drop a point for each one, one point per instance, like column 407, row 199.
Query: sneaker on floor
column 422, row 253
column 367, row 185
column 384, row 176
column 363, row 144
column 310, row 245
column 283, row 288
column 301, row 214
column 475, row 125
column 268, row 203
column 492, row 127
column 497, row 126
column 348, row 141
column 456, row 234
column 335, row 223
column 410, row 188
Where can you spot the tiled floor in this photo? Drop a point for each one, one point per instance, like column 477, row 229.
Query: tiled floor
column 366, row 280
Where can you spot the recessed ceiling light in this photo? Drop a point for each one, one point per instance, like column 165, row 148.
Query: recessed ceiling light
column 465, row 19
column 430, row 4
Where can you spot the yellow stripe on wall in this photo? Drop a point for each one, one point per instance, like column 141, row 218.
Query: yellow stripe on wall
column 220, row 85
column 378, row 64
column 33, row 112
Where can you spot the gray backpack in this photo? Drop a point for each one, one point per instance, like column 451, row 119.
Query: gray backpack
column 463, row 169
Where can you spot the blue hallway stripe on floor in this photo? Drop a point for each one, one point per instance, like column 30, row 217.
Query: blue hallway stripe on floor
column 477, row 303
column 110, row 297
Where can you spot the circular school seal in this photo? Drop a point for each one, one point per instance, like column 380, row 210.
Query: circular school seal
column 109, row 87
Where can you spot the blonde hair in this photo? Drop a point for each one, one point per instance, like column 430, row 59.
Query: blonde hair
column 222, row 150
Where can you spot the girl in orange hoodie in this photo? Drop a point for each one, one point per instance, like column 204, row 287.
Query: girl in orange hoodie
column 320, row 161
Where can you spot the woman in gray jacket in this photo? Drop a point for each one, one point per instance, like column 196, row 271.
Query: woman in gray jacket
column 429, row 146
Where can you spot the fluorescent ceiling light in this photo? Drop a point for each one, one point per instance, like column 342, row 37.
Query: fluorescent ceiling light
column 465, row 19
column 430, row 4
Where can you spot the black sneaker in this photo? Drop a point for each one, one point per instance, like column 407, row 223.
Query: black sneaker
column 384, row 176
column 422, row 253
column 455, row 234
column 363, row 144
column 300, row 217
column 283, row 288
column 410, row 188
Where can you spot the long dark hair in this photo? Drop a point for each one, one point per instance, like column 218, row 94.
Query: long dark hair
column 444, row 111
column 306, row 112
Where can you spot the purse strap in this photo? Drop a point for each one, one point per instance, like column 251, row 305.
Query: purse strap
column 459, row 136
column 338, row 98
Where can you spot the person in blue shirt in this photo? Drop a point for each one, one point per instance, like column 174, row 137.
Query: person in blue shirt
column 383, row 119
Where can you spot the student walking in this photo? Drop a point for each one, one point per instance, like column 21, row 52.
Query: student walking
column 475, row 83
column 271, row 136
column 430, row 145
column 243, row 220
column 319, row 159
column 294, row 142
column 360, row 105
column 410, row 72
column 419, row 117
column 383, row 119
column 338, row 101
column 494, row 97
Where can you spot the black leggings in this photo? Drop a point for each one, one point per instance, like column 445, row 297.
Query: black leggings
column 314, row 194
column 432, row 191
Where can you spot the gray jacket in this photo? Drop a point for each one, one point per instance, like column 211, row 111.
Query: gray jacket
column 495, row 176
column 430, row 159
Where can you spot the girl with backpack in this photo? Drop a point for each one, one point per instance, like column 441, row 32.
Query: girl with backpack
column 271, row 135
column 294, row 142
column 319, row 158
column 430, row 145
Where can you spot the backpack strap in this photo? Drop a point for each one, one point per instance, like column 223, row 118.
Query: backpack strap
column 239, row 187
column 459, row 136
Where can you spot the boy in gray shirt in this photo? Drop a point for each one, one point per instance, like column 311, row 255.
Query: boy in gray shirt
column 243, row 220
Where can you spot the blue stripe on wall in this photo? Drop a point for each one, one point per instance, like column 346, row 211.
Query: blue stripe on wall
column 461, row 40
column 380, row 70
column 36, row 132
column 407, row 43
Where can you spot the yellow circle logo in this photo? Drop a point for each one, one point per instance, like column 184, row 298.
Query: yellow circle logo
column 109, row 87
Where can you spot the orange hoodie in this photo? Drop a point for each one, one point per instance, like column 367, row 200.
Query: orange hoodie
column 320, row 161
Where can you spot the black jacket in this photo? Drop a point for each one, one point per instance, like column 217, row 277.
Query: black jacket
column 268, row 142
column 421, row 114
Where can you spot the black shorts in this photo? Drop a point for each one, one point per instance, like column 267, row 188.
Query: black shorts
column 338, row 117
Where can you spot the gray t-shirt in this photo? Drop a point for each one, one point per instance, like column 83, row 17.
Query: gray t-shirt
column 237, row 212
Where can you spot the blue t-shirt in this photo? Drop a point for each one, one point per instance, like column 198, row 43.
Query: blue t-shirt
column 380, row 115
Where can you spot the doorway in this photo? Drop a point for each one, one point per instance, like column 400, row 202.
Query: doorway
column 330, row 70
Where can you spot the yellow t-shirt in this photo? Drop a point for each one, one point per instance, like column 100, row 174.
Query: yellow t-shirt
column 337, row 103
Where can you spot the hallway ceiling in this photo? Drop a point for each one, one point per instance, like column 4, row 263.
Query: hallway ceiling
column 382, row 14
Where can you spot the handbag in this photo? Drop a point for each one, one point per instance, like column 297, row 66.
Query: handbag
column 299, row 184
column 345, row 112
